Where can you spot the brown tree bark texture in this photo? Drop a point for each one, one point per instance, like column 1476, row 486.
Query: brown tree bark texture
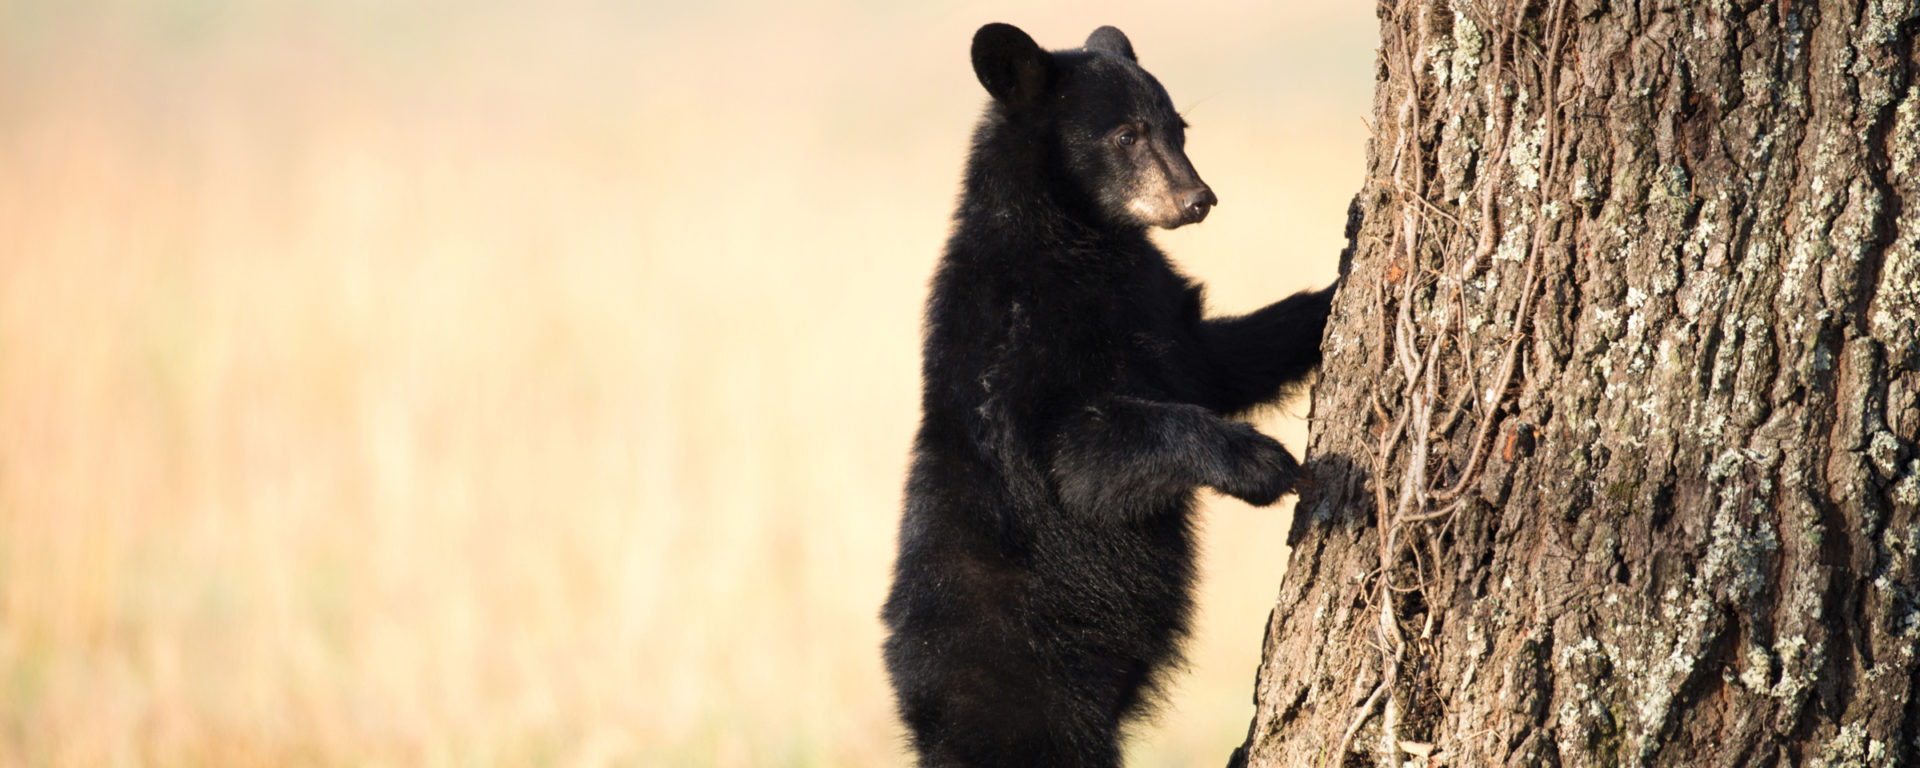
column 1623, row 390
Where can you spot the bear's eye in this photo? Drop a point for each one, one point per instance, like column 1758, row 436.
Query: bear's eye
column 1126, row 139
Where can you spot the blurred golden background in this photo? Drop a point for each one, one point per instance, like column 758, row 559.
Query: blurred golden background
column 494, row 382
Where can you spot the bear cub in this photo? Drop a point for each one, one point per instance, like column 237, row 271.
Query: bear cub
column 1074, row 397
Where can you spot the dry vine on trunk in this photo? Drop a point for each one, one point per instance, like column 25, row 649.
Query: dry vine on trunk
column 1615, row 438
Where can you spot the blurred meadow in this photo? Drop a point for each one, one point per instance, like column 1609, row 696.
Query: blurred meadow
column 498, row 382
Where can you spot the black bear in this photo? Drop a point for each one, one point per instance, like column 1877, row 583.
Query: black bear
column 1074, row 398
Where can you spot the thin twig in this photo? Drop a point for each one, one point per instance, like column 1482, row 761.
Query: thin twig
column 1366, row 710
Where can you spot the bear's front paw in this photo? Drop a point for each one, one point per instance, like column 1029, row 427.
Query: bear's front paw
column 1263, row 471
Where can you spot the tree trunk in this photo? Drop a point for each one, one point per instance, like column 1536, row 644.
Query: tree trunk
column 1614, row 445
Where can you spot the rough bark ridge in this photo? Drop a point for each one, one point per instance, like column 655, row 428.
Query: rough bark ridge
column 1623, row 391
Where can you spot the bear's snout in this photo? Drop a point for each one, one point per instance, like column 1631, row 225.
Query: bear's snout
column 1195, row 204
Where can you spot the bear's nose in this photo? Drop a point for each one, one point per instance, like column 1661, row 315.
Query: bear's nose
column 1195, row 204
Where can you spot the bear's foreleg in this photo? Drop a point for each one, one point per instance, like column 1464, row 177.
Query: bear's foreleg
column 1126, row 456
column 1254, row 357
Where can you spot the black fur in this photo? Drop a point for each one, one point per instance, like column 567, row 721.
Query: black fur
column 1074, row 399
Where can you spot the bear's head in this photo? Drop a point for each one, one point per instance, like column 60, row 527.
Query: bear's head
column 1115, row 130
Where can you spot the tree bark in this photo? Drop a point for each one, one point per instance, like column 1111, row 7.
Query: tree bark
column 1614, row 444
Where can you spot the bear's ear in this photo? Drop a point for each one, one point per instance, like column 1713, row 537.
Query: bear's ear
column 1012, row 67
column 1112, row 41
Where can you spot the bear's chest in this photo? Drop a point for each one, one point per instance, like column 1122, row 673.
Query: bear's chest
column 1122, row 338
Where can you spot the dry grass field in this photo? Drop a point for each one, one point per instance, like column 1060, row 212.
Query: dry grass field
column 492, row 382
